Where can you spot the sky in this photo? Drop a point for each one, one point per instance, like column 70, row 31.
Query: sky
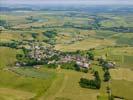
column 89, row 2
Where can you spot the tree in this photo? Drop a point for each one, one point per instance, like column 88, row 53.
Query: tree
column 97, row 80
column 19, row 56
column 98, row 84
column 34, row 35
column 54, row 57
column 4, row 23
column 97, row 77
column 93, row 84
column 107, row 76
column 50, row 34
column 85, row 70
column 90, row 55
column 101, row 61
column 77, row 68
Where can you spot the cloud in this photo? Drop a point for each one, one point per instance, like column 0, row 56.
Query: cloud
column 66, row 2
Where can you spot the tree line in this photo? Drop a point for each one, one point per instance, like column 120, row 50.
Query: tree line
column 92, row 84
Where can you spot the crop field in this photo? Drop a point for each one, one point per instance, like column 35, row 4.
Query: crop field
column 29, row 72
column 70, row 89
column 8, row 36
column 19, row 20
column 8, row 56
column 115, row 21
column 64, row 86
column 122, row 88
column 12, row 94
column 84, row 45
column 121, row 55
column 33, row 82
column 62, row 23
column 122, row 82
column 122, row 74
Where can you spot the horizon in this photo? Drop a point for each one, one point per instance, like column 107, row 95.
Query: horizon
column 68, row 2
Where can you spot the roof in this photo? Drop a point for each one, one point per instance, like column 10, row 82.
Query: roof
column 82, row 64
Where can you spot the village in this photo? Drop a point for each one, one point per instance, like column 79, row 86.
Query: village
column 47, row 55
column 51, row 56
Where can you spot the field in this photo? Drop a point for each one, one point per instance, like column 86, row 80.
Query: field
column 123, row 56
column 110, row 35
column 70, row 89
column 121, row 83
column 69, row 35
column 12, row 94
column 65, row 86
column 122, row 88
column 84, row 45
column 122, row 74
column 33, row 82
column 8, row 56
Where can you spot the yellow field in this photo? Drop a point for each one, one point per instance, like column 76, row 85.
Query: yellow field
column 7, row 56
column 84, row 44
column 8, row 36
column 122, row 74
column 123, row 51
column 12, row 94
column 68, row 87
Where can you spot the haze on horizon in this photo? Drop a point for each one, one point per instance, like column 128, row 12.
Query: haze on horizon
column 87, row 2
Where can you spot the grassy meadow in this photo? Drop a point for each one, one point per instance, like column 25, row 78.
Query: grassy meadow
column 121, row 55
column 29, row 81
column 8, row 56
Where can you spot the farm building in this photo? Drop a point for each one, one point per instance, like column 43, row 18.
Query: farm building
column 83, row 64
column 110, row 65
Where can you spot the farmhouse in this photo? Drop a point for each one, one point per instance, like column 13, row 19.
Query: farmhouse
column 1, row 27
column 110, row 64
column 83, row 64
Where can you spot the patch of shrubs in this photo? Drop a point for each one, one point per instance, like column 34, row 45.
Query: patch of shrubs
column 50, row 34
column 92, row 84
column 70, row 65
column 5, row 24
column 51, row 65
column 85, row 70
column 11, row 45
column 73, row 66
column 51, row 37
column 107, row 76
column 34, row 35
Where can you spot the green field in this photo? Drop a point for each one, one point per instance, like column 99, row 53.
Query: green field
column 50, row 84
column 13, row 94
column 122, row 88
column 33, row 83
column 28, row 80
column 123, row 56
column 8, row 56
column 69, row 89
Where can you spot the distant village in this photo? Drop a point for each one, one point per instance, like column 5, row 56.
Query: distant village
column 43, row 53
column 47, row 55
